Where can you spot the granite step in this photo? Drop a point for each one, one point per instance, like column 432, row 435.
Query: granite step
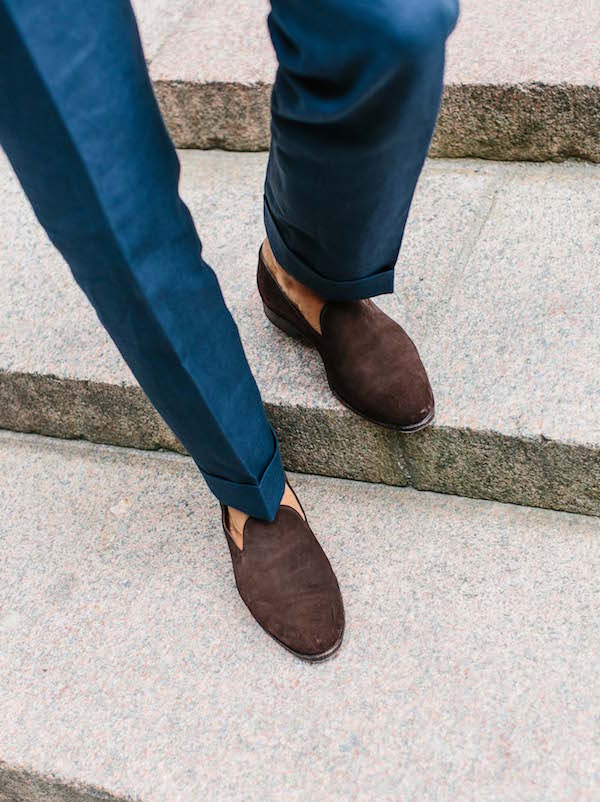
column 497, row 282
column 130, row 669
column 522, row 82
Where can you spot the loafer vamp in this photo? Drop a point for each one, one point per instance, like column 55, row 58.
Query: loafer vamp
column 287, row 582
column 373, row 365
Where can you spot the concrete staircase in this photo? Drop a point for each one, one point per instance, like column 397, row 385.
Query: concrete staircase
column 129, row 668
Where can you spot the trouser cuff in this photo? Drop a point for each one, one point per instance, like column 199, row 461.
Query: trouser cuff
column 352, row 290
column 259, row 500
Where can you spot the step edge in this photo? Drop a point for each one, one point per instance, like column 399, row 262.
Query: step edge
column 526, row 121
column 524, row 470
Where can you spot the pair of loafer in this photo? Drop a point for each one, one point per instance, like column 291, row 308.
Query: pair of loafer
column 374, row 368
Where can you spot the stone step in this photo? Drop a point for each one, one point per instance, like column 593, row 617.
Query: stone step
column 521, row 82
column 130, row 668
column 497, row 283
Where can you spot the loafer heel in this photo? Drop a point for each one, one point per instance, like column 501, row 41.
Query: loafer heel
column 284, row 324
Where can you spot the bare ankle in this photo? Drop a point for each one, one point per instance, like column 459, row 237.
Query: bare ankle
column 237, row 519
column 308, row 302
column 236, row 522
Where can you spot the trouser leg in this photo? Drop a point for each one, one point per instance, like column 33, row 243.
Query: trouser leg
column 80, row 125
column 353, row 109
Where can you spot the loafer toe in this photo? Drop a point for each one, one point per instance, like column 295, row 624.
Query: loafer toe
column 288, row 584
column 403, row 407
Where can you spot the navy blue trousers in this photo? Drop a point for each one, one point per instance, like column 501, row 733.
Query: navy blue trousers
column 353, row 110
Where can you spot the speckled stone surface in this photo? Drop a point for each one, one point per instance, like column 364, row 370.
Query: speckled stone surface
column 226, row 42
column 496, row 282
column 503, row 42
column 157, row 20
column 213, row 78
column 521, row 82
column 130, row 667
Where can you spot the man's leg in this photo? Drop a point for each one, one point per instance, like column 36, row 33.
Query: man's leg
column 354, row 106
column 80, row 124
column 353, row 110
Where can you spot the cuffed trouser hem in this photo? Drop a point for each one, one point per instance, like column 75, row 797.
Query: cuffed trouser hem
column 260, row 500
column 352, row 290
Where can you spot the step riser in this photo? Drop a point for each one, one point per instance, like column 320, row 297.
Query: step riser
column 459, row 461
column 528, row 122
column 24, row 786
column 217, row 115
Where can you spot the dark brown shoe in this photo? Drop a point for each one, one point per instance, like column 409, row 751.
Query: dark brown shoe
column 288, row 584
column 372, row 365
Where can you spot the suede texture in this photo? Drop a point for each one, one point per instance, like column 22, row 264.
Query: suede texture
column 286, row 581
column 372, row 365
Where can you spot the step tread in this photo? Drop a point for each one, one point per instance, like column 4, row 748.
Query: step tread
column 552, row 43
column 519, row 84
column 129, row 664
column 158, row 20
column 497, row 283
column 548, row 42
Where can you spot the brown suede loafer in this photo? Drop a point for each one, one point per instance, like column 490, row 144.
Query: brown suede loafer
column 288, row 584
column 371, row 363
